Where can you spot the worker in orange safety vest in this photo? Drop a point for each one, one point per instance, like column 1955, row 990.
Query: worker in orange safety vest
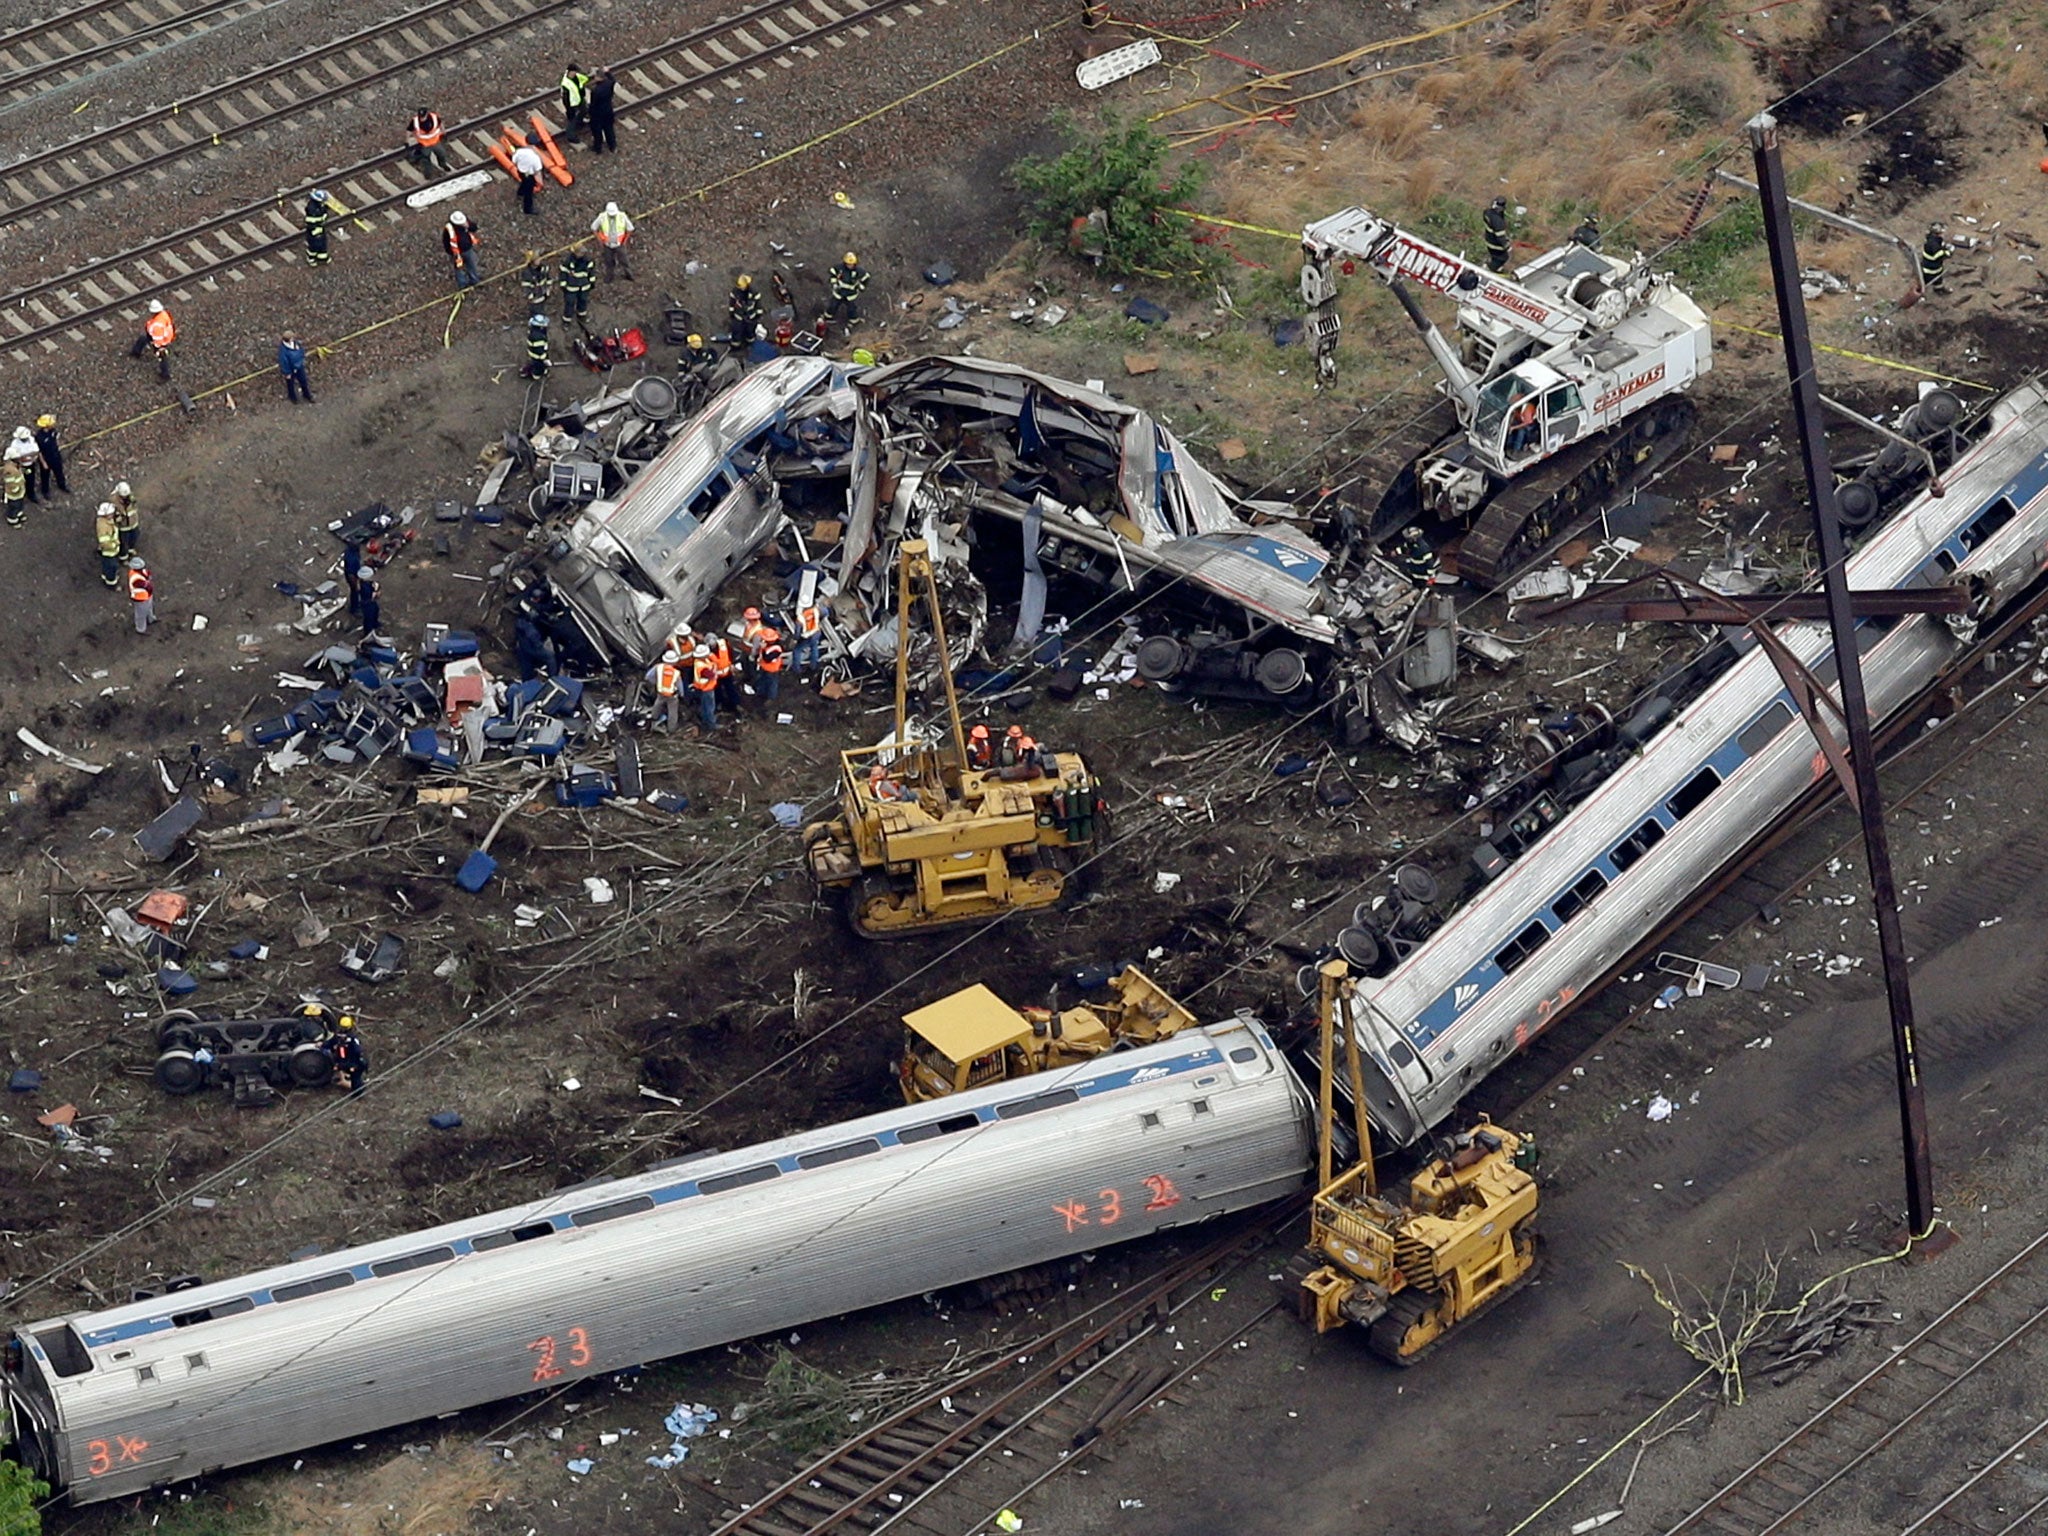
column 141, row 594
column 1017, row 748
column 728, row 679
column 704, row 682
column 667, row 678
column 752, row 628
column 424, row 134
column 981, row 752
column 770, row 660
column 159, row 331
column 613, row 229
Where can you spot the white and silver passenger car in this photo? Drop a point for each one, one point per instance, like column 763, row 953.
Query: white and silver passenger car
column 1723, row 769
column 714, row 1248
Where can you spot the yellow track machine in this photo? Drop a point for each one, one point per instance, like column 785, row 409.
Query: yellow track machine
column 1410, row 1271
column 922, row 839
column 972, row 1037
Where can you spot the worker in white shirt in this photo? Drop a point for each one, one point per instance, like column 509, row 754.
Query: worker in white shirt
column 528, row 166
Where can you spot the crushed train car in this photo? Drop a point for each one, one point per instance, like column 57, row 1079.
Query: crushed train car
column 1005, row 472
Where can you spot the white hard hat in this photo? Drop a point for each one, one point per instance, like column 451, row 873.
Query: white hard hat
column 123, row 489
column 106, row 509
column 701, row 650
column 538, row 320
column 671, row 655
column 611, row 207
column 23, row 435
column 319, row 194
column 156, row 306
column 459, row 217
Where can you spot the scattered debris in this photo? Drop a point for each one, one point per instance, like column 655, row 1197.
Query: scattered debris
column 684, row 1423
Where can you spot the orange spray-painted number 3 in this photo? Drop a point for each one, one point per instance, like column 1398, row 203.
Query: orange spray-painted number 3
column 1160, row 1193
column 102, row 1457
column 547, row 1361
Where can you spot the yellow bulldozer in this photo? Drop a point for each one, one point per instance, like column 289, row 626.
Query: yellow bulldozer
column 1410, row 1270
column 925, row 839
column 972, row 1037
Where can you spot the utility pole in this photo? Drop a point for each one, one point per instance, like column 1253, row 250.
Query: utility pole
column 1820, row 480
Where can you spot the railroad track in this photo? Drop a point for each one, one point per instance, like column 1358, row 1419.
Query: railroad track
column 108, row 294
column 263, row 98
column 1838, row 1451
column 63, row 47
column 951, row 1460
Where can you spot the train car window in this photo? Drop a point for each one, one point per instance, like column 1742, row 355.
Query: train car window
column 1946, row 561
column 1522, row 946
column 1201, row 1107
column 1150, row 1120
column 1580, row 896
column 385, row 1268
column 1245, row 1053
column 1403, row 1056
column 144, row 1375
column 1036, row 1103
column 720, row 1183
column 1693, row 793
column 1638, row 843
column 831, row 1155
column 613, row 1211
column 299, row 1290
column 945, row 1127
column 1763, row 730
column 66, row 1350
column 1989, row 521
column 228, row 1308
column 525, row 1234
column 197, row 1363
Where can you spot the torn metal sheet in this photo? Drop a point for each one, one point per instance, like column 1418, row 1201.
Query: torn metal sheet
column 642, row 564
column 1112, row 486
column 29, row 738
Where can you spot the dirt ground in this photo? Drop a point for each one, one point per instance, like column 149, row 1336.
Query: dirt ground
column 716, row 982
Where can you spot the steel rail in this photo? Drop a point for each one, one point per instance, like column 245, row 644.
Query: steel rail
column 1990, row 1469
column 1058, row 1357
column 59, row 20
column 23, row 84
column 1830, row 1444
column 201, row 111
column 240, row 228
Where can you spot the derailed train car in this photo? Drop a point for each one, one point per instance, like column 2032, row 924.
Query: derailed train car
column 1597, row 850
column 686, row 1255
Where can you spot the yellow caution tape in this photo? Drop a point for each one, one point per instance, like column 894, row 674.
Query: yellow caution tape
column 454, row 309
column 1293, row 235
column 1863, row 357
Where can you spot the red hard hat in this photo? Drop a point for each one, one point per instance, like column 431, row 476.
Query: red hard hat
column 979, row 733
column 751, row 613
column 1015, row 730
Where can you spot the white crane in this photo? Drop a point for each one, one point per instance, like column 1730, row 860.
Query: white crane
column 1552, row 363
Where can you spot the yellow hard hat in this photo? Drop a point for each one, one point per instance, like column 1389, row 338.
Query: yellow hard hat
column 46, row 421
column 693, row 341
column 850, row 259
column 346, row 1021
column 743, row 281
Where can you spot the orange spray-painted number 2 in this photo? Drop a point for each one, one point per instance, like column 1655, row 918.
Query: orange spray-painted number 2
column 1109, row 1207
column 549, row 1357
column 103, row 1456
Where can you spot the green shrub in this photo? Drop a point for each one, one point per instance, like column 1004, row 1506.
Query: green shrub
column 1121, row 170
column 20, row 1491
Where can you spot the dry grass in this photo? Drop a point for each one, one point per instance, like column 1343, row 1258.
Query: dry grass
column 430, row 1495
column 1589, row 104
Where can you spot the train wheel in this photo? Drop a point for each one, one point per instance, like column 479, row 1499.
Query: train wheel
column 175, row 1028
column 309, row 1066
column 179, row 1072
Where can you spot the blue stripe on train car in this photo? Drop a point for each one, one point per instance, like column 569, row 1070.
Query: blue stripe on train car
column 1101, row 1082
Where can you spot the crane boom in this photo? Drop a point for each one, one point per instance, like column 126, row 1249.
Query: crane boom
column 1394, row 253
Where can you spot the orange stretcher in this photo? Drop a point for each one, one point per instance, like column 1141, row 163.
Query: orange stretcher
column 510, row 138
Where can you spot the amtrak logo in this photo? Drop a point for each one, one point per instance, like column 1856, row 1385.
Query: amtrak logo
column 1146, row 1074
column 1467, row 990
